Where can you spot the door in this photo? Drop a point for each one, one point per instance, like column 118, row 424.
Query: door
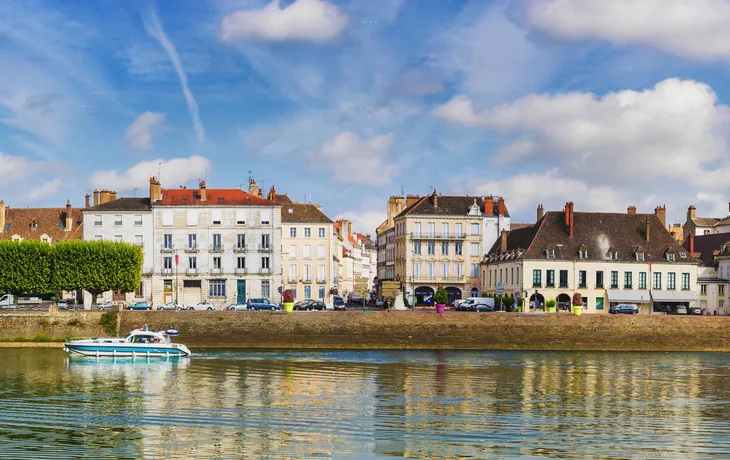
column 241, row 291
column 168, row 297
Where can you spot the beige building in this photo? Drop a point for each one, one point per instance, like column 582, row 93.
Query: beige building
column 440, row 241
column 308, row 249
column 608, row 258
column 699, row 226
column 713, row 281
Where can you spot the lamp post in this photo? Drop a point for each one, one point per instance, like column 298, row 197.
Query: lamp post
column 177, row 278
column 536, row 302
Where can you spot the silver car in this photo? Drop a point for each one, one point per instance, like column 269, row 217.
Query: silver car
column 170, row 306
column 237, row 307
column 202, row 306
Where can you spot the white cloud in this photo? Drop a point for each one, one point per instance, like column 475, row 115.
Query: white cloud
column 16, row 168
column 139, row 133
column 46, row 190
column 672, row 132
column 154, row 28
column 364, row 222
column 175, row 172
column 355, row 160
column 303, row 20
column 697, row 29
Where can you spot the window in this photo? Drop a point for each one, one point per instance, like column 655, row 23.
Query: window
column 97, row 220
column 628, row 282
column 265, row 263
column 240, row 217
column 582, row 282
column 216, row 263
column 685, row 281
column 192, row 217
column 216, row 217
column 431, row 230
column 583, row 253
column 138, row 220
column 307, row 251
column 192, row 284
column 417, row 248
column 241, row 263
column 445, row 248
column 307, row 292
column 166, row 218
column 640, row 256
column 307, row 272
column 614, row 280
column 293, row 273
column 321, row 252
column 475, row 249
column 459, row 230
column 599, row 280
column 670, row 256
column 417, row 270
column 321, row 292
column 265, row 216
column 167, row 241
column 550, row 253
column 474, row 270
column 459, row 272
column 703, row 289
column 117, row 220
column 167, row 263
column 321, row 273
column 671, row 281
column 167, row 286
column 431, row 248
column 614, row 255
column 564, row 278
column 475, row 229
column 139, row 240
column 266, row 289
column 458, row 248
column 444, row 269
column 322, row 232
column 444, row 230
column 96, row 237
column 550, row 278
column 241, row 241
column 293, row 232
column 192, row 263
column 431, row 270
column 417, row 229
column 192, row 241
column 657, row 280
column 721, row 289
column 217, row 288
column 518, row 275
column 721, row 304
column 265, row 241
column 217, row 241
column 139, row 292
column 536, row 278
column 307, row 232
column 118, row 238
column 642, row 280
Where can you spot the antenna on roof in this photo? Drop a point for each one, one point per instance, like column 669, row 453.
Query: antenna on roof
column 159, row 172
column 402, row 193
column 250, row 176
column 135, row 192
column 206, row 175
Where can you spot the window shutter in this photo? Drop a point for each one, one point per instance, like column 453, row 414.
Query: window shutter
column 167, row 218
column 217, row 215
column 192, row 216
column 240, row 217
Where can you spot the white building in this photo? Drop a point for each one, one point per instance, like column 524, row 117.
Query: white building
column 712, row 252
column 608, row 258
column 220, row 245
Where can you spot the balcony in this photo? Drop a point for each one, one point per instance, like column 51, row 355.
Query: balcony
column 424, row 278
column 167, row 249
column 191, row 271
column 452, row 278
column 291, row 280
column 306, row 280
column 240, row 271
column 321, row 281
column 191, row 249
column 239, row 249
column 265, row 271
column 438, row 236
column 167, row 271
column 263, row 248
column 216, row 271
column 218, row 248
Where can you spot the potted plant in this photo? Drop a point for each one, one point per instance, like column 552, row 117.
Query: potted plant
column 288, row 303
column 440, row 298
column 577, row 304
column 520, row 303
column 508, row 301
column 550, row 304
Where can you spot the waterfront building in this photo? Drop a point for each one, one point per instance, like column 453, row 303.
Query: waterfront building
column 308, row 249
column 220, row 245
column 608, row 258
column 41, row 224
column 713, row 280
column 385, row 237
column 440, row 241
column 699, row 226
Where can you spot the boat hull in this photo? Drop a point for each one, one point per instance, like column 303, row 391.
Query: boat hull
column 123, row 349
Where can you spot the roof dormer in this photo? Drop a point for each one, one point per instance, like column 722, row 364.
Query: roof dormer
column 670, row 255
column 550, row 252
column 612, row 253
column 639, row 254
column 474, row 209
column 583, row 252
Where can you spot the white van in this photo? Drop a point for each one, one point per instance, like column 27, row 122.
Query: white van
column 469, row 303
column 7, row 302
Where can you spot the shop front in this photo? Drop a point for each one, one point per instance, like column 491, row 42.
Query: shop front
column 668, row 301
column 639, row 297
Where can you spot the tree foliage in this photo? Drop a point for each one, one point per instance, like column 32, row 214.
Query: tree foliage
column 25, row 267
column 97, row 266
column 441, row 296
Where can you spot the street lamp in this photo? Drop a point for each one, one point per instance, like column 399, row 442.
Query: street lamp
column 536, row 302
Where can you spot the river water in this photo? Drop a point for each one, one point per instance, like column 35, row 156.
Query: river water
column 366, row 404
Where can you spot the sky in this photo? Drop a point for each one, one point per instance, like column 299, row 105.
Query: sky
column 606, row 103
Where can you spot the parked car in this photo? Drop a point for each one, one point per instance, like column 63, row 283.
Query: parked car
column 262, row 304
column 677, row 310
column 471, row 303
column 106, row 306
column 357, row 300
column 695, row 311
column 338, row 304
column 302, row 304
column 170, row 306
column 62, row 305
column 380, row 303
column 237, row 307
column 202, row 306
column 624, row 308
column 140, row 306
column 483, row 307
column 311, row 305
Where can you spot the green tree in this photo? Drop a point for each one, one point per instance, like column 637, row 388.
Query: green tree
column 25, row 267
column 508, row 301
column 441, row 297
column 97, row 266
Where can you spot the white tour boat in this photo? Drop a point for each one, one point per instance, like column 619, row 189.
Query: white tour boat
column 139, row 342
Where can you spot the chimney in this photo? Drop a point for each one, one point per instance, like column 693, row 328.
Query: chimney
column 112, row 196
column 2, row 216
column 631, row 210
column 253, row 187
column 691, row 244
column 104, row 196
column 96, row 197
column 661, row 213
column 489, row 205
column 155, row 189
column 500, row 206
column 503, row 242
column 435, row 199
column 411, row 199
column 88, row 199
column 69, row 219
column 272, row 194
column 691, row 213
column 203, row 191
column 540, row 212
column 648, row 230
column 569, row 218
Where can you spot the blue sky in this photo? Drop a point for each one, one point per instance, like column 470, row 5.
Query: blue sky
column 607, row 103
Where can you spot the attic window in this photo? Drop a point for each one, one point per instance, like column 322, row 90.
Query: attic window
column 583, row 252
column 291, row 211
column 33, row 224
column 8, row 225
column 60, row 225
column 640, row 256
column 474, row 210
column 670, row 256
column 682, row 255
column 17, row 238
column 613, row 254
column 550, row 252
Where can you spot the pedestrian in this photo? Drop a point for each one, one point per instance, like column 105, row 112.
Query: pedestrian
column 387, row 303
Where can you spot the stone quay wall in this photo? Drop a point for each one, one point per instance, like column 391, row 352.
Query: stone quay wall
column 42, row 327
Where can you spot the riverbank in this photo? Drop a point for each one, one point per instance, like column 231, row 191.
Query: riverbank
column 391, row 330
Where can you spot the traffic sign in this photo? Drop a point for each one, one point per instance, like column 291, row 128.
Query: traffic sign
column 500, row 288
column 280, row 289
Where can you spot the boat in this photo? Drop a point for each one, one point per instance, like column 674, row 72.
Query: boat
column 138, row 343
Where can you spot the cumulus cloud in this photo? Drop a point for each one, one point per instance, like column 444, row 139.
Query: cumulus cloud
column 673, row 131
column 139, row 133
column 175, row 171
column 46, row 190
column 355, row 160
column 303, row 20
column 364, row 222
column 17, row 168
column 698, row 29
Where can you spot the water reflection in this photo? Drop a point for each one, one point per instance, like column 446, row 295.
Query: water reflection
column 365, row 404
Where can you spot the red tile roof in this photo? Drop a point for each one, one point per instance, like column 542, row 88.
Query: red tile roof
column 216, row 197
column 32, row 223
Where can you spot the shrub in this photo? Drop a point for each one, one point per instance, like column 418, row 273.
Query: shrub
column 551, row 303
column 42, row 338
column 109, row 322
column 508, row 301
column 441, row 297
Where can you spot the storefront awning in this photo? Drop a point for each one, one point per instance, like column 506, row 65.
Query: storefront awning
column 673, row 296
column 617, row 295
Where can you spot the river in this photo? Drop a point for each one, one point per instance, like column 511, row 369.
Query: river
column 366, row 404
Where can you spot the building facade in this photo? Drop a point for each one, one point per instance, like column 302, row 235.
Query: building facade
column 41, row 224
column 699, row 226
column 713, row 280
column 608, row 258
